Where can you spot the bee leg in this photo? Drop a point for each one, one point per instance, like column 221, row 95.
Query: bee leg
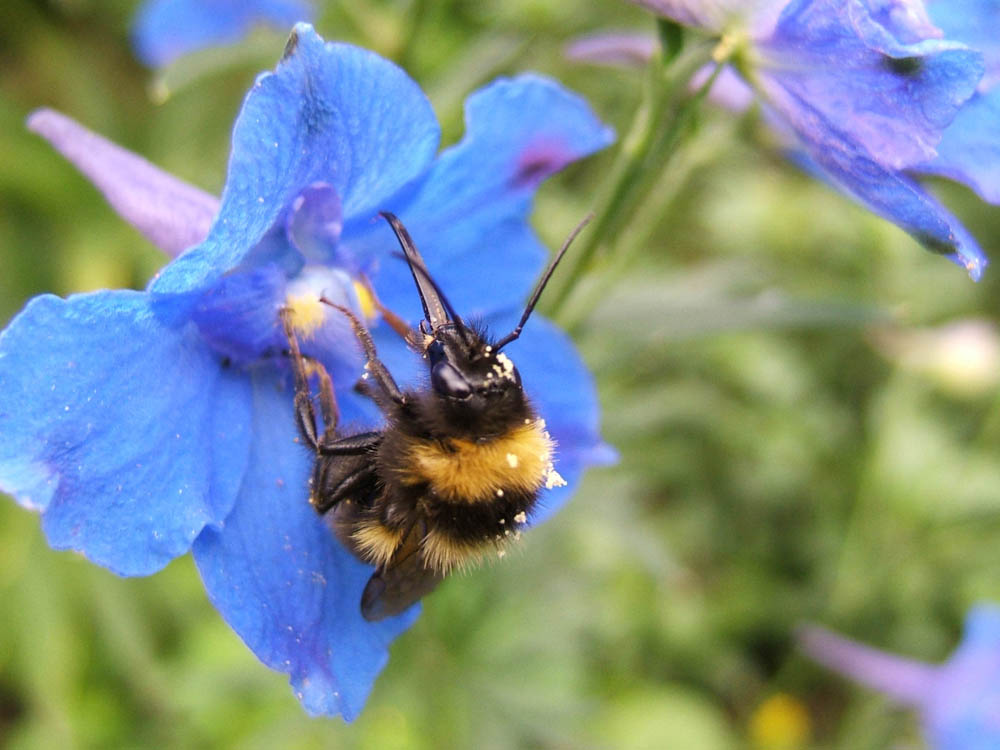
column 364, row 388
column 353, row 445
column 338, row 484
column 400, row 326
column 327, row 406
column 373, row 364
column 305, row 415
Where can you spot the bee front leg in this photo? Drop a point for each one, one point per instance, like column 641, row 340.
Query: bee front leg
column 400, row 326
column 383, row 378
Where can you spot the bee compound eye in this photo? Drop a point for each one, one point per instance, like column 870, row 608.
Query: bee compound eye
column 448, row 381
column 436, row 352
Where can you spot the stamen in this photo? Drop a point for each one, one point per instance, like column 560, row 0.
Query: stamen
column 305, row 313
column 366, row 303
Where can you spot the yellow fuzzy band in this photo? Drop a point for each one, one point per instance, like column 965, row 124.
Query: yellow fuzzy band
column 464, row 470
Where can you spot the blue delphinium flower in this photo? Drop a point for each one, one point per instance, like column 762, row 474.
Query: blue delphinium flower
column 865, row 87
column 958, row 701
column 970, row 148
column 167, row 29
column 144, row 424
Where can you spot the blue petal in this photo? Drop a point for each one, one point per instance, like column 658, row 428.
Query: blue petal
column 970, row 149
column 469, row 216
column 330, row 113
column 166, row 29
column 314, row 223
column 890, row 98
column 238, row 315
column 282, row 581
column 834, row 156
column 982, row 629
column 890, row 25
column 961, row 713
column 129, row 437
column 975, row 23
column 482, row 264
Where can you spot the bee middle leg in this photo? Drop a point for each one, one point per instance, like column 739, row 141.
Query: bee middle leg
column 350, row 477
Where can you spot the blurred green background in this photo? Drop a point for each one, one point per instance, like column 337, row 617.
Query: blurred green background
column 809, row 428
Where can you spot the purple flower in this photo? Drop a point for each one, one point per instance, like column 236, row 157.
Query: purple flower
column 145, row 424
column 958, row 701
column 167, row 29
column 866, row 88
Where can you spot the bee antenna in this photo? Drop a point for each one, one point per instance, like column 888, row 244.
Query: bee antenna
column 452, row 315
column 533, row 300
column 437, row 309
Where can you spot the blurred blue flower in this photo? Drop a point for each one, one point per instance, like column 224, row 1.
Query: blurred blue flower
column 164, row 30
column 866, row 88
column 958, row 701
column 970, row 148
column 145, row 424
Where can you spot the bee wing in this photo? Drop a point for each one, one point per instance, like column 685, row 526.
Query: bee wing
column 401, row 582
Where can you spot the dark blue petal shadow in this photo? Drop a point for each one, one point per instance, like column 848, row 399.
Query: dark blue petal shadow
column 128, row 436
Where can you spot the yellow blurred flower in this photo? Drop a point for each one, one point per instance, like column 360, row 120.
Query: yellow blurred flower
column 780, row 723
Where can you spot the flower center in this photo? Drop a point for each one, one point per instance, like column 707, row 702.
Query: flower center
column 308, row 296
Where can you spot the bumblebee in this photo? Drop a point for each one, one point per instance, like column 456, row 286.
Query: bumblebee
column 455, row 473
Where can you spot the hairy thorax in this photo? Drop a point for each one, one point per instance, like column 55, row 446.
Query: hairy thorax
column 459, row 470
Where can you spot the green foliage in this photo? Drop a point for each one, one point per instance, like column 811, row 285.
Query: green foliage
column 779, row 461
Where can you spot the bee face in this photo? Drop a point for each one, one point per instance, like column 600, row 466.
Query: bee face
column 475, row 390
column 469, row 371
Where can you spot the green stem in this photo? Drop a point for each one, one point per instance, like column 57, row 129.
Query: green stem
column 655, row 131
column 661, row 200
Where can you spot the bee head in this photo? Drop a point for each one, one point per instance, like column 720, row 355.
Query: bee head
column 474, row 383
column 464, row 367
